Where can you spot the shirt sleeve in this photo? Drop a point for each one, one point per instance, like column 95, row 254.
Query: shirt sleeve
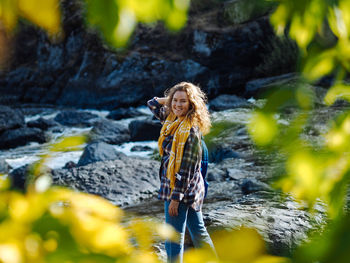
column 157, row 109
column 190, row 159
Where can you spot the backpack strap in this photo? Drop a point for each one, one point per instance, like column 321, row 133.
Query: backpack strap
column 204, row 164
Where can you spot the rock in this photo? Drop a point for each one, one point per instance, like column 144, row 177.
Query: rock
column 10, row 119
column 220, row 153
column 69, row 165
column 76, row 118
column 20, row 137
column 109, row 132
column 99, row 151
column 43, row 124
column 144, row 130
column 261, row 86
column 215, row 175
column 4, row 166
column 124, row 182
column 140, row 148
column 123, row 113
column 251, row 185
column 20, row 176
column 225, row 102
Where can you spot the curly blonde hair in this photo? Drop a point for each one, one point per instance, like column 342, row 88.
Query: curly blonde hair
column 198, row 113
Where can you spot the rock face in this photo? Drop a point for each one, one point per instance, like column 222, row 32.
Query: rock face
column 124, row 182
column 215, row 50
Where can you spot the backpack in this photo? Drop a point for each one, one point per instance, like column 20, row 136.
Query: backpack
column 204, row 165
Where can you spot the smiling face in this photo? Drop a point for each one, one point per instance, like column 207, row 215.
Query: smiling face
column 180, row 103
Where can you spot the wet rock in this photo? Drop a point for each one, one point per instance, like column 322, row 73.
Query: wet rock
column 220, row 153
column 123, row 113
column 140, row 148
column 109, row 132
column 43, row 124
column 20, row 137
column 21, row 176
column 225, row 102
column 10, row 119
column 4, row 167
column 251, row 185
column 99, row 151
column 215, row 174
column 69, row 165
column 261, row 86
column 144, row 130
column 76, row 118
column 125, row 182
column 18, row 177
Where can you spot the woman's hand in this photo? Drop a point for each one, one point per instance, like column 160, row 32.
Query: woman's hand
column 162, row 100
column 174, row 208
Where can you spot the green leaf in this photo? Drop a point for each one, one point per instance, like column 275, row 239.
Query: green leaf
column 104, row 15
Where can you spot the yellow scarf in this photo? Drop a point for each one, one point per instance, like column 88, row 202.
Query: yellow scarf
column 180, row 129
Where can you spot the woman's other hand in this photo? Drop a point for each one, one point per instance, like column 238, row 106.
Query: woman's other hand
column 173, row 208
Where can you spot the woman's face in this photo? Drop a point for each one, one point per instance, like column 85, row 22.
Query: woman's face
column 180, row 103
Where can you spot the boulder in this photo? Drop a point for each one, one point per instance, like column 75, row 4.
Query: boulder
column 10, row 119
column 125, row 182
column 140, row 148
column 109, row 132
column 123, row 113
column 99, row 151
column 42, row 123
column 76, row 118
column 225, row 102
column 251, row 185
column 144, row 130
column 220, row 153
column 20, row 137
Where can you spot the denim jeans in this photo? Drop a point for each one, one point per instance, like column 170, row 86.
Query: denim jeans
column 195, row 224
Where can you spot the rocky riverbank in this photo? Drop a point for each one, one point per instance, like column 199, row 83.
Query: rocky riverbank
column 239, row 173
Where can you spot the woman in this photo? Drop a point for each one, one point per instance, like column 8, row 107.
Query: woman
column 185, row 118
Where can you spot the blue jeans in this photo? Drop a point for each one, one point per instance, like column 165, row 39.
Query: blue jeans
column 195, row 224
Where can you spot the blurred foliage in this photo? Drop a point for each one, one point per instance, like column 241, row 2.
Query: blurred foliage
column 115, row 19
column 217, row 131
column 313, row 172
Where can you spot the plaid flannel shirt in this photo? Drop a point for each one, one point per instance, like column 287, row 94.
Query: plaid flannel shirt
column 189, row 184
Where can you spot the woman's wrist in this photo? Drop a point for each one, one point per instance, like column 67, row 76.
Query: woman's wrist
column 161, row 100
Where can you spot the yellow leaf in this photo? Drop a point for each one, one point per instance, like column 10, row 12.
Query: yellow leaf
column 279, row 18
column 231, row 246
column 4, row 182
column 320, row 66
column 44, row 13
column 8, row 13
column 262, row 127
column 11, row 252
column 338, row 91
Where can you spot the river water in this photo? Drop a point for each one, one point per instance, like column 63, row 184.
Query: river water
column 31, row 152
